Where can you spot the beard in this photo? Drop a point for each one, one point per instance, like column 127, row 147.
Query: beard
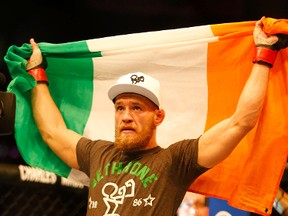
column 135, row 142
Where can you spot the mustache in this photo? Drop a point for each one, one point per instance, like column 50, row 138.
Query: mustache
column 127, row 128
column 124, row 127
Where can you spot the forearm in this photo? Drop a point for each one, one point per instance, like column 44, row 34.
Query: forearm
column 247, row 112
column 45, row 112
column 252, row 97
column 233, row 129
column 52, row 126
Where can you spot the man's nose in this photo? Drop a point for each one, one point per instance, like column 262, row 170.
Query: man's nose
column 127, row 115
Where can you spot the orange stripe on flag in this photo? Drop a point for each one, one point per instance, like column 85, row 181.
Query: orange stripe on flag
column 250, row 176
column 273, row 26
column 233, row 30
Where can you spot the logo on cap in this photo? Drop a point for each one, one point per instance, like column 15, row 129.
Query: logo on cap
column 135, row 79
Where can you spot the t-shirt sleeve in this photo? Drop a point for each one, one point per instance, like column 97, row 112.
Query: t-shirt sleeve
column 83, row 149
column 185, row 156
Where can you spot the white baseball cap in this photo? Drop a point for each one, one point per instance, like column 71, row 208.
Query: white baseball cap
column 138, row 83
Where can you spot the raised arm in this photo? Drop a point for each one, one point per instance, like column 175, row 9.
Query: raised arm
column 220, row 140
column 48, row 117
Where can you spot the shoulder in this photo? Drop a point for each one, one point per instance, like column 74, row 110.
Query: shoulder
column 86, row 143
column 185, row 143
column 183, row 149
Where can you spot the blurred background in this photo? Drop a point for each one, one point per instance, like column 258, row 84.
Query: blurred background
column 66, row 21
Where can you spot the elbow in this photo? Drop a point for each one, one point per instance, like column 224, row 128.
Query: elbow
column 246, row 117
column 252, row 123
column 47, row 135
column 247, row 123
column 248, row 126
column 251, row 120
column 63, row 143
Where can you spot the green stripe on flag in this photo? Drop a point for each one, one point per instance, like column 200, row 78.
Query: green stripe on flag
column 68, row 61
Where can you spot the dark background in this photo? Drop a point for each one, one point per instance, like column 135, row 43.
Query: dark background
column 65, row 21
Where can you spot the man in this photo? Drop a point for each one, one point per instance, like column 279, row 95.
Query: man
column 133, row 175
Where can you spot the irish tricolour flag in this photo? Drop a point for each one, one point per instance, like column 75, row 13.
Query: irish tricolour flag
column 202, row 71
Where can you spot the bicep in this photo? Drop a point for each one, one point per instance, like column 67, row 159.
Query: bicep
column 64, row 143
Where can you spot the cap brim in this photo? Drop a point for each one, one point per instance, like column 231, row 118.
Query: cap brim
column 118, row 89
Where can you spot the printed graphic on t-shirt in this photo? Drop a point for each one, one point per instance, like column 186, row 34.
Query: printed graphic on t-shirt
column 114, row 195
column 133, row 168
column 117, row 196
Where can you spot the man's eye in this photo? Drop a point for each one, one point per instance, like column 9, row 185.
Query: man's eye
column 137, row 108
column 119, row 108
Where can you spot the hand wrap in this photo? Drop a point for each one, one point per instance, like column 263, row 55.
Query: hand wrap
column 36, row 67
column 266, row 54
column 39, row 74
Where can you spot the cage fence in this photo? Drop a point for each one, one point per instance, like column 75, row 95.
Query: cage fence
column 31, row 191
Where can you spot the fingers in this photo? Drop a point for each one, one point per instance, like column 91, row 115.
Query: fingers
column 272, row 39
column 33, row 44
column 261, row 37
column 36, row 57
column 258, row 25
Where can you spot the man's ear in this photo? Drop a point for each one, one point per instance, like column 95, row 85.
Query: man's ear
column 159, row 117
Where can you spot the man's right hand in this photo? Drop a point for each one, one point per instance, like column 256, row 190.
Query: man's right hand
column 36, row 59
column 36, row 64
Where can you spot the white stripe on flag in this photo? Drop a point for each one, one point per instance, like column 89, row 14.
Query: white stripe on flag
column 178, row 58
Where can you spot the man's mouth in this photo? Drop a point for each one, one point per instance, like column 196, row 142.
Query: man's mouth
column 127, row 129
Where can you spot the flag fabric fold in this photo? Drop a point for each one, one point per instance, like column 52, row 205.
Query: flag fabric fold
column 202, row 71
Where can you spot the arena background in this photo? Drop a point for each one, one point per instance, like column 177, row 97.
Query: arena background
column 66, row 21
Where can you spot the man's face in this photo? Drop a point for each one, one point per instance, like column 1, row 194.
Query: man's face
column 134, row 122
